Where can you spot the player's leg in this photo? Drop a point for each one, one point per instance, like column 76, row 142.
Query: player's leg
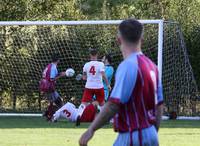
column 81, row 109
column 49, row 109
column 106, row 92
column 59, row 102
column 100, row 96
column 53, row 98
column 150, row 136
column 123, row 139
column 57, row 99
column 147, row 137
column 87, row 96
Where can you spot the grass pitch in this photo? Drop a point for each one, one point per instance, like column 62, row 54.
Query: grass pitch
column 34, row 131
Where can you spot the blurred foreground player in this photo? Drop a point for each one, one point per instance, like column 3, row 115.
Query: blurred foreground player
column 81, row 114
column 136, row 99
column 47, row 86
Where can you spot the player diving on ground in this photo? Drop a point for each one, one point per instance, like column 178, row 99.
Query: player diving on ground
column 84, row 113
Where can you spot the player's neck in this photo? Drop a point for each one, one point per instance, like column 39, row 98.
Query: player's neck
column 106, row 62
column 55, row 63
column 93, row 59
column 130, row 50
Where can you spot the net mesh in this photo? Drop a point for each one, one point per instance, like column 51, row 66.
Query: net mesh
column 26, row 50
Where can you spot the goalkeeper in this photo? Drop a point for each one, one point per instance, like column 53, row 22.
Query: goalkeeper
column 109, row 70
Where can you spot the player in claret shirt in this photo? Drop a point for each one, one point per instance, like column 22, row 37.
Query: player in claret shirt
column 136, row 99
column 49, row 77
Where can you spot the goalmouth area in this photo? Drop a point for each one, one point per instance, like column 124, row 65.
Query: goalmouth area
column 28, row 45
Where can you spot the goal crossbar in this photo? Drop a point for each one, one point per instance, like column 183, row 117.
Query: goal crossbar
column 86, row 22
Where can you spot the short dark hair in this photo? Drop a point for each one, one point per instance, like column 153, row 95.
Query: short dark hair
column 93, row 51
column 131, row 30
column 108, row 57
column 55, row 57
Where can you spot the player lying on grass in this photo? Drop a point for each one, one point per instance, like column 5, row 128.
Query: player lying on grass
column 94, row 73
column 84, row 113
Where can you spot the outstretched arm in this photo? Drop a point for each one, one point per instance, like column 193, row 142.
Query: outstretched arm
column 59, row 76
column 109, row 110
column 84, row 77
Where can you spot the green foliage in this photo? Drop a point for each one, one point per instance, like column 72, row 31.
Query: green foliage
column 40, row 10
column 12, row 10
column 193, row 44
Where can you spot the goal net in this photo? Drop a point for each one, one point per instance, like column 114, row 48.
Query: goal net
column 26, row 48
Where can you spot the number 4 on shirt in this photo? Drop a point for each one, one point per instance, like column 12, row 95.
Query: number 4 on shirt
column 92, row 70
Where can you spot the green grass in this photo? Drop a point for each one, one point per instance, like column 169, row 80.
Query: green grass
column 23, row 131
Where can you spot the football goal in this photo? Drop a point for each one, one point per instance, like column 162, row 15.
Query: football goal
column 26, row 48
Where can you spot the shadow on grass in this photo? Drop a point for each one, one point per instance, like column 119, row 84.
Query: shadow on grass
column 39, row 122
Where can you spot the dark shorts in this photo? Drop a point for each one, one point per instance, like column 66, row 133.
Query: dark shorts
column 53, row 96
